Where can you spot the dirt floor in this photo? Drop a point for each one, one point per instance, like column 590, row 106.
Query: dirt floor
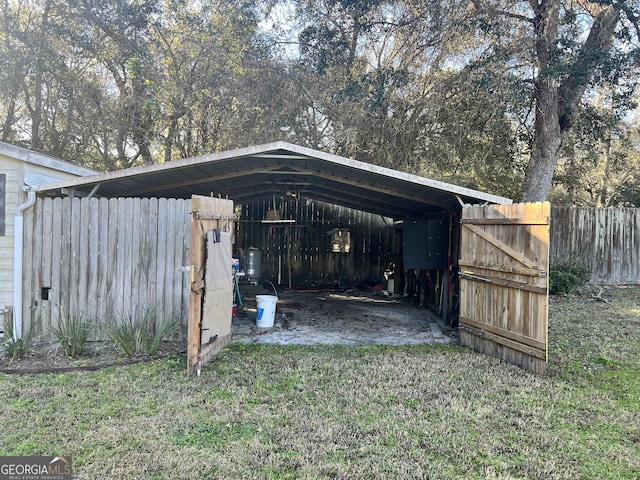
column 351, row 317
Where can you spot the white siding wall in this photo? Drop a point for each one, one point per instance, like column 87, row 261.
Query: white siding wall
column 14, row 170
column 18, row 172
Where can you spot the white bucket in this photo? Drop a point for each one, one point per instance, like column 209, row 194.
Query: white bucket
column 266, row 312
column 391, row 285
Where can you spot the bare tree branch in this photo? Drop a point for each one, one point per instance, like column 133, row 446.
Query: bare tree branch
column 597, row 43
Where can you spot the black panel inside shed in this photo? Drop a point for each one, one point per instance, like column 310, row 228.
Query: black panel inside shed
column 426, row 244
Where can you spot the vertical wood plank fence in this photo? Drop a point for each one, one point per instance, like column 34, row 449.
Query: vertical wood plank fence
column 105, row 258
column 300, row 253
column 606, row 240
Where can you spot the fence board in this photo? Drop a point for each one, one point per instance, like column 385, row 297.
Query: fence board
column 30, row 221
column 121, row 253
column 152, row 249
column 32, row 277
column 137, row 258
column 84, row 239
column 104, row 257
column 184, row 276
column 72, row 286
column 112, row 256
column 171, row 245
column 47, row 220
column 65, row 260
column 102, row 234
column 56, row 262
column 179, row 251
column 162, row 249
column 47, row 246
column 144, row 241
column 606, row 240
column 92, row 210
column 126, row 246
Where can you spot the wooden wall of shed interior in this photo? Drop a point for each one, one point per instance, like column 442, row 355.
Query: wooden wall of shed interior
column 294, row 242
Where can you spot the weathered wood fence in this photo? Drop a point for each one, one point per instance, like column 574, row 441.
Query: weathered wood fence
column 606, row 240
column 105, row 258
column 108, row 257
column 300, row 252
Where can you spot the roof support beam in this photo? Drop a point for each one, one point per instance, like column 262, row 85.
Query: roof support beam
column 94, row 190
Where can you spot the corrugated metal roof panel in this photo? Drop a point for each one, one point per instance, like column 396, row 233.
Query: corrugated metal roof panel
column 261, row 171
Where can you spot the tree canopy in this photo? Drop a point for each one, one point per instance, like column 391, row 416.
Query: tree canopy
column 531, row 100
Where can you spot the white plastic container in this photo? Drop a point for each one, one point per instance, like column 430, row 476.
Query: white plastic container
column 391, row 285
column 266, row 311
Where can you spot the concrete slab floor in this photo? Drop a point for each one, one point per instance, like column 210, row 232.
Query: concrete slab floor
column 350, row 317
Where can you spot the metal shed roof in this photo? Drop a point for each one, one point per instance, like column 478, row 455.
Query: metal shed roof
column 280, row 168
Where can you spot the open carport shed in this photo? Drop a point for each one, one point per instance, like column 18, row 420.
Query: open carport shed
column 261, row 173
column 249, row 174
column 256, row 174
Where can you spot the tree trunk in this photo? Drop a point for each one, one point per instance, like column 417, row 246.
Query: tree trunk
column 548, row 136
column 606, row 177
column 40, row 53
column 547, row 145
column 7, row 128
column 557, row 105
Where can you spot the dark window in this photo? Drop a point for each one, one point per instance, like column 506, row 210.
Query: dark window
column 3, row 191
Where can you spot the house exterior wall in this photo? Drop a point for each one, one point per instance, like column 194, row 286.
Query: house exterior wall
column 14, row 173
column 23, row 167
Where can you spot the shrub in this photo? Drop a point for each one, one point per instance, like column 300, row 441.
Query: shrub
column 16, row 348
column 139, row 335
column 72, row 332
column 566, row 275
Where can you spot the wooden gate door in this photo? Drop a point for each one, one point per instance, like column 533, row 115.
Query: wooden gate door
column 504, row 264
column 211, row 295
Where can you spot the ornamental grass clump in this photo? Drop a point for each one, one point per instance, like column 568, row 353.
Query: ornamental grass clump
column 139, row 335
column 72, row 333
column 16, row 347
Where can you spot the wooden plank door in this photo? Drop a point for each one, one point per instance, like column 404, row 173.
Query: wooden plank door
column 211, row 295
column 504, row 265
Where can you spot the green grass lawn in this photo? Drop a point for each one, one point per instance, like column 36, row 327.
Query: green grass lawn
column 269, row 412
